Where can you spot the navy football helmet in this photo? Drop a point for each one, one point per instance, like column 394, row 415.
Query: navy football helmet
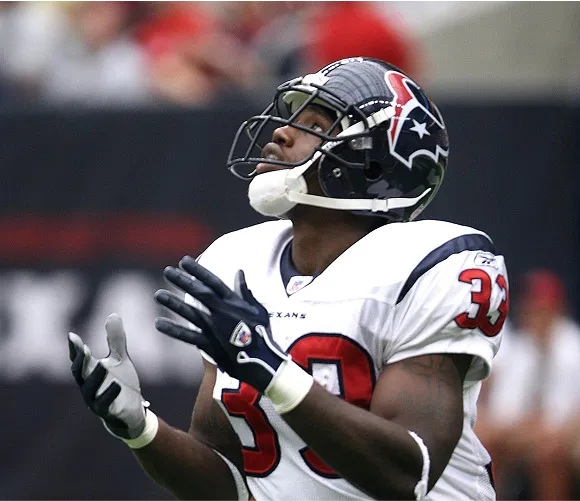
column 384, row 155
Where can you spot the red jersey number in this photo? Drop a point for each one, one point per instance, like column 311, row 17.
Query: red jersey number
column 356, row 382
column 482, row 299
column 263, row 458
column 356, row 377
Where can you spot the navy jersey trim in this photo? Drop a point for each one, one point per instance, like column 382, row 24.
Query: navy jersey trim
column 474, row 242
column 287, row 268
column 489, row 469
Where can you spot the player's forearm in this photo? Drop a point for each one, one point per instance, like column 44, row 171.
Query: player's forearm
column 374, row 454
column 185, row 466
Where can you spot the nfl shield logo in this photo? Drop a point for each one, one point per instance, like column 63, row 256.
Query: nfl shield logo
column 242, row 335
column 296, row 283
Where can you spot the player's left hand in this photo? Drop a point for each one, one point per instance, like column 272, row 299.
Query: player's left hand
column 236, row 331
column 110, row 385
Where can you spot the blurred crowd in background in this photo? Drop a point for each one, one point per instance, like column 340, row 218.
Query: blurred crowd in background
column 188, row 53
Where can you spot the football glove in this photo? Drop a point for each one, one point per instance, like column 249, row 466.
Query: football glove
column 110, row 386
column 235, row 333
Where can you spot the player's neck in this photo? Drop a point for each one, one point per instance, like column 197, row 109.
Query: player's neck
column 318, row 241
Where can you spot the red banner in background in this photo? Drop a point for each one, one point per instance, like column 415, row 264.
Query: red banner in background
column 73, row 239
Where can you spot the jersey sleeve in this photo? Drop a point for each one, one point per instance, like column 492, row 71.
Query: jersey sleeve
column 457, row 306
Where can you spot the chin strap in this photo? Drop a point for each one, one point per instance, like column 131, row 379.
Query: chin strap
column 372, row 204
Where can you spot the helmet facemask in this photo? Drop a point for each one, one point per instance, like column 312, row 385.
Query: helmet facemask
column 291, row 99
column 359, row 168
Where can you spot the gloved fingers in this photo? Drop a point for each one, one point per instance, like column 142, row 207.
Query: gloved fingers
column 196, row 270
column 89, row 362
column 241, row 288
column 102, row 403
column 116, row 337
column 77, row 367
column 75, row 345
column 194, row 287
column 116, row 426
column 173, row 329
column 83, row 362
column 92, row 384
column 187, row 311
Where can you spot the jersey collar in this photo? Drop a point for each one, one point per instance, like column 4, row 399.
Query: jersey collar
column 292, row 279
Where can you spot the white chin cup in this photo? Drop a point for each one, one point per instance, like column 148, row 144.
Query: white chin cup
column 267, row 192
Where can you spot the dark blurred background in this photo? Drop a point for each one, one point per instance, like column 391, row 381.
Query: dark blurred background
column 115, row 122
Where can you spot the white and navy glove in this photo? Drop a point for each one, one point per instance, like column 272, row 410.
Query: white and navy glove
column 110, row 386
column 235, row 333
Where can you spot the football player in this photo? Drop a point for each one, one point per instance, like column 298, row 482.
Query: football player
column 344, row 344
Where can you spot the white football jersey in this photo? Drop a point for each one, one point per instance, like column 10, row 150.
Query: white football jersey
column 404, row 290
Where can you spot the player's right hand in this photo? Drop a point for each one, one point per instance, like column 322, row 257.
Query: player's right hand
column 110, row 386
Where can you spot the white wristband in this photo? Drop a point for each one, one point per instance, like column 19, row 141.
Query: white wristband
column 289, row 386
column 149, row 432
column 423, row 483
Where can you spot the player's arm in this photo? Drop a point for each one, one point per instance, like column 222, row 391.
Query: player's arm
column 374, row 450
column 187, row 464
column 209, row 422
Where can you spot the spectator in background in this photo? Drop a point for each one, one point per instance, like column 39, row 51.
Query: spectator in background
column 97, row 62
column 274, row 32
column 344, row 29
column 191, row 58
column 530, row 415
column 30, row 32
column 299, row 37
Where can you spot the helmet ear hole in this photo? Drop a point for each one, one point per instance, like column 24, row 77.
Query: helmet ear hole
column 373, row 172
